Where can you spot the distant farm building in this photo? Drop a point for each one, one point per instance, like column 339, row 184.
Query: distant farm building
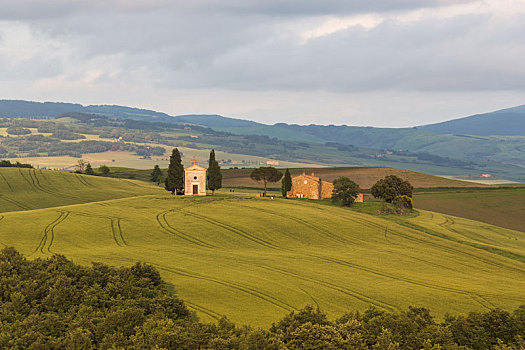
column 272, row 162
column 195, row 180
column 311, row 187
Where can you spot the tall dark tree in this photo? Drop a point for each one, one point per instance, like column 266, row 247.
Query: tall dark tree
column 175, row 178
column 214, row 174
column 89, row 169
column 266, row 174
column 156, row 174
column 286, row 185
column 391, row 187
column 345, row 191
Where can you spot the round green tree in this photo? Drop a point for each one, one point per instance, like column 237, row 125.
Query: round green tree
column 391, row 187
column 104, row 170
column 345, row 191
column 266, row 174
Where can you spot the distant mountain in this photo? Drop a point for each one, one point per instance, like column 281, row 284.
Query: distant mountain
column 475, row 138
column 214, row 121
column 510, row 121
column 49, row 110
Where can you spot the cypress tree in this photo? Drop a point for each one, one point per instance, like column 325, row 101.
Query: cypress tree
column 175, row 178
column 214, row 173
column 89, row 169
column 156, row 175
column 286, row 183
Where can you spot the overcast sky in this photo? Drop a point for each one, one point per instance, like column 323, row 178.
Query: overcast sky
column 360, row 62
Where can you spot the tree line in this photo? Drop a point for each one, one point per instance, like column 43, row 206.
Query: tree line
column 7, row 164
column 54, row 303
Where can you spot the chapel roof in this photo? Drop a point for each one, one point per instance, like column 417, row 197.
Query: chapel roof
column 195, row 166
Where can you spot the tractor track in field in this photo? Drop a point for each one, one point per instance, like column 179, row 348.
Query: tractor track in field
column 44, row 176
column 49, row 232
column 450, row 222
column 38, row 186
column 241, row 288
column 311, row 297
column 7, row 183
column 438, row 246
column 83, row 181
column 30, row 183
column 234, row 230
column 165, row 225
column 247, row 290
column 79, row 178
column 66, row 178
column 474, row 296
column 352, row 293
column 454, row 250
column 216, row 316
column 314, row 227
column 15, row 202
column 116, row 230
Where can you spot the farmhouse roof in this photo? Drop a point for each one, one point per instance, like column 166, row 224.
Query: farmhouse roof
column 311, row 177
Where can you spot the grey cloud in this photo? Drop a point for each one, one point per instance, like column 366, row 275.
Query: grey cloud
column 250, row 52
column 41, row 9
column 255, row 46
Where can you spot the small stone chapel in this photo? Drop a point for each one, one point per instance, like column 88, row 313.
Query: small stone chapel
column 195, row 180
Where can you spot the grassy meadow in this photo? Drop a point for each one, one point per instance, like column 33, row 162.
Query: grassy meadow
column 256, row 259
column 503, row 207
column 25, row 189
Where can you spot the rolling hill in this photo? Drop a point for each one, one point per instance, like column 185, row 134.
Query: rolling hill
column 510, row 122
column 257, row 259
column 504, row 207
column 26, row 189
column 50, row 110
column 365, row 177
column 447, row 151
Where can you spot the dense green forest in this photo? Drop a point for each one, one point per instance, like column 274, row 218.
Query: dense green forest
column 54, row 303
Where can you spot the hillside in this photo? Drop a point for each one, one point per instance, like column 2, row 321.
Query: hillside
column 364, row 177
column 24, row 189
column 510, row 122
column 504, row 207
column 257, row 259
column 49, row 110
column 485, row 150
column 414, row 149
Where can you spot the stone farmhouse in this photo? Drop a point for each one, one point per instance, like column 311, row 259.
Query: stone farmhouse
column 312, row 187
column 195, row 180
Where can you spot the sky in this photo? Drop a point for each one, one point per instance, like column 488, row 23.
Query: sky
column 390, row 63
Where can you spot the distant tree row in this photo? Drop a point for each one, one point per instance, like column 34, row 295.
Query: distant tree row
column 53, row 303
column 7, row 164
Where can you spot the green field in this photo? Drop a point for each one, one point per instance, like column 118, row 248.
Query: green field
column 24, row 189
column 504, row 207
column 255, row 259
